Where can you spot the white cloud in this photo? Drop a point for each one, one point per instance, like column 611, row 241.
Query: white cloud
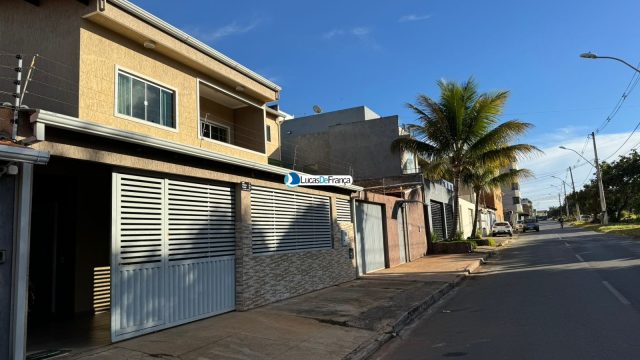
column 543, row 190
column 227, row 30
column 333, row 33
column 413, row 17
column 362, row 33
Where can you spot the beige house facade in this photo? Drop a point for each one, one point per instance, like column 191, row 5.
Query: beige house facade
column 159, row 204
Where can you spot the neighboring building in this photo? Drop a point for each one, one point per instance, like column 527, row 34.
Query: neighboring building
column 158, row 205
column 357, row 141
column 527, row 208
column 493, row 200
column 511, row 199
column 354, row 141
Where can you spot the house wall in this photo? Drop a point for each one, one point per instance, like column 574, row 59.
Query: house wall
column 250, row 122
column 29, row 30
column 361, row 147
column 102, row 50
column 416, row 239
column 417, row 230
column 466, row 217
column 273, row 146
column 263, row 279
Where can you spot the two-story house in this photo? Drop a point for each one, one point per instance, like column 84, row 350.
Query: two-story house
column 158, row 205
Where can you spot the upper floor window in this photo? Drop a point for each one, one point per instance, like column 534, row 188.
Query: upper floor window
column 268, row 131
column 214, row 131
column 516, row 200
column 143, row 100
column 515, row 186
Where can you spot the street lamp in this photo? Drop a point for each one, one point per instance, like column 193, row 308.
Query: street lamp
column 603, row 204
column 590, row 55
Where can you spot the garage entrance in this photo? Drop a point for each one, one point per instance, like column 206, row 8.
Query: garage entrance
column 68, row 298
column 173, row 253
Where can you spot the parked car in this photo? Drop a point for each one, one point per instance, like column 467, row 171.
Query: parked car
column 519, row 225
column 531, row 224
column 502, row 228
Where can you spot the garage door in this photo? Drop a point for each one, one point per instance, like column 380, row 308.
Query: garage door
column 173, row 253
column 370, row 237
column 437, row 219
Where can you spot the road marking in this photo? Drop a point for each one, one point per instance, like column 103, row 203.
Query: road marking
column 567, row 244
column 580, row 258
column 616, row 293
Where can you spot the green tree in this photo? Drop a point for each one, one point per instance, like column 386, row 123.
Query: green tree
column 621, row 180
column 486, row 179
column 458, row 132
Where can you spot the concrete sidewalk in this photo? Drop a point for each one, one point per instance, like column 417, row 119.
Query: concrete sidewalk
column 350, row 320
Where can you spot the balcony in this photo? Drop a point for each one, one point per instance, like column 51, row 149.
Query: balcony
column 230, row 119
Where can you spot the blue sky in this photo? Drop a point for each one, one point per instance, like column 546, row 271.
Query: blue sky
column 340, row 54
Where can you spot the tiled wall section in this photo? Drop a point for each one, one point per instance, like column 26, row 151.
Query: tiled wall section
column 263, row 279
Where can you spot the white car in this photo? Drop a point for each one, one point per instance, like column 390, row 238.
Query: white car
column 502, row 228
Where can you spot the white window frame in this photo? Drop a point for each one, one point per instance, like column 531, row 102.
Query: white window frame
column 151, row 81
column 215, row 123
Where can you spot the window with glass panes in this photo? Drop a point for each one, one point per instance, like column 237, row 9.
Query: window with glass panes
column 144, row 100
column 215, row 131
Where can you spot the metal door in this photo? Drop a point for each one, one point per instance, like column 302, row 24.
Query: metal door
column 173, row 253
column 402, row 236
column 449, row 219
column 437, row 219
column 370, row 237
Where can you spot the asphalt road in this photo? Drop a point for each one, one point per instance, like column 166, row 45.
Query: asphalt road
column 557, row 294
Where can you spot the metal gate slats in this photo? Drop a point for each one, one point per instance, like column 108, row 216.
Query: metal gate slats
column 288, row 221
column 174, row 253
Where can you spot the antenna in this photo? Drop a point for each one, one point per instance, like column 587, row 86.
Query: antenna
column 317, row 109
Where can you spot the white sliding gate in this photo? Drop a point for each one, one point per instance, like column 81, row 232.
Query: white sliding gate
column 173, row 253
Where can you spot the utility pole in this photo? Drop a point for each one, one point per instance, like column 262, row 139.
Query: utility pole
column 559, row 206
column 17, row 96
column 603, row 205
column 566, row 201
column 573, row 185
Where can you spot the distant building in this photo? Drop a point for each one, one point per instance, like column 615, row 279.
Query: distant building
column 527, row 208
column 511, row 199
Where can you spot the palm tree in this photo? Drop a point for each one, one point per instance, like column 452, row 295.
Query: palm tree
column 486, row 179
column 459, row 132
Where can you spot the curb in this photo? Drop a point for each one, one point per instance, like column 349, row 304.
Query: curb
column 374, row 343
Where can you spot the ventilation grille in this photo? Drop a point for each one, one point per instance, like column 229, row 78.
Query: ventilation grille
column 343, row 208
column 287, row 221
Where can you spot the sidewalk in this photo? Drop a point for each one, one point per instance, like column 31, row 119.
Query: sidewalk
column 350, row 320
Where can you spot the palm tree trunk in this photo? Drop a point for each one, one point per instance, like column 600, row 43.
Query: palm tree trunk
column 475, row 215
column 456, row 204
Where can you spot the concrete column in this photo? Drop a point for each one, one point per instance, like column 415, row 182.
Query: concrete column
column 243, row 243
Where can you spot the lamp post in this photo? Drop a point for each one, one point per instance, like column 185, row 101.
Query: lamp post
column 589, row 55
column 603, row 204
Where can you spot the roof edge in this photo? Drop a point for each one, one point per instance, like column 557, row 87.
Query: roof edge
column 191, row 41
